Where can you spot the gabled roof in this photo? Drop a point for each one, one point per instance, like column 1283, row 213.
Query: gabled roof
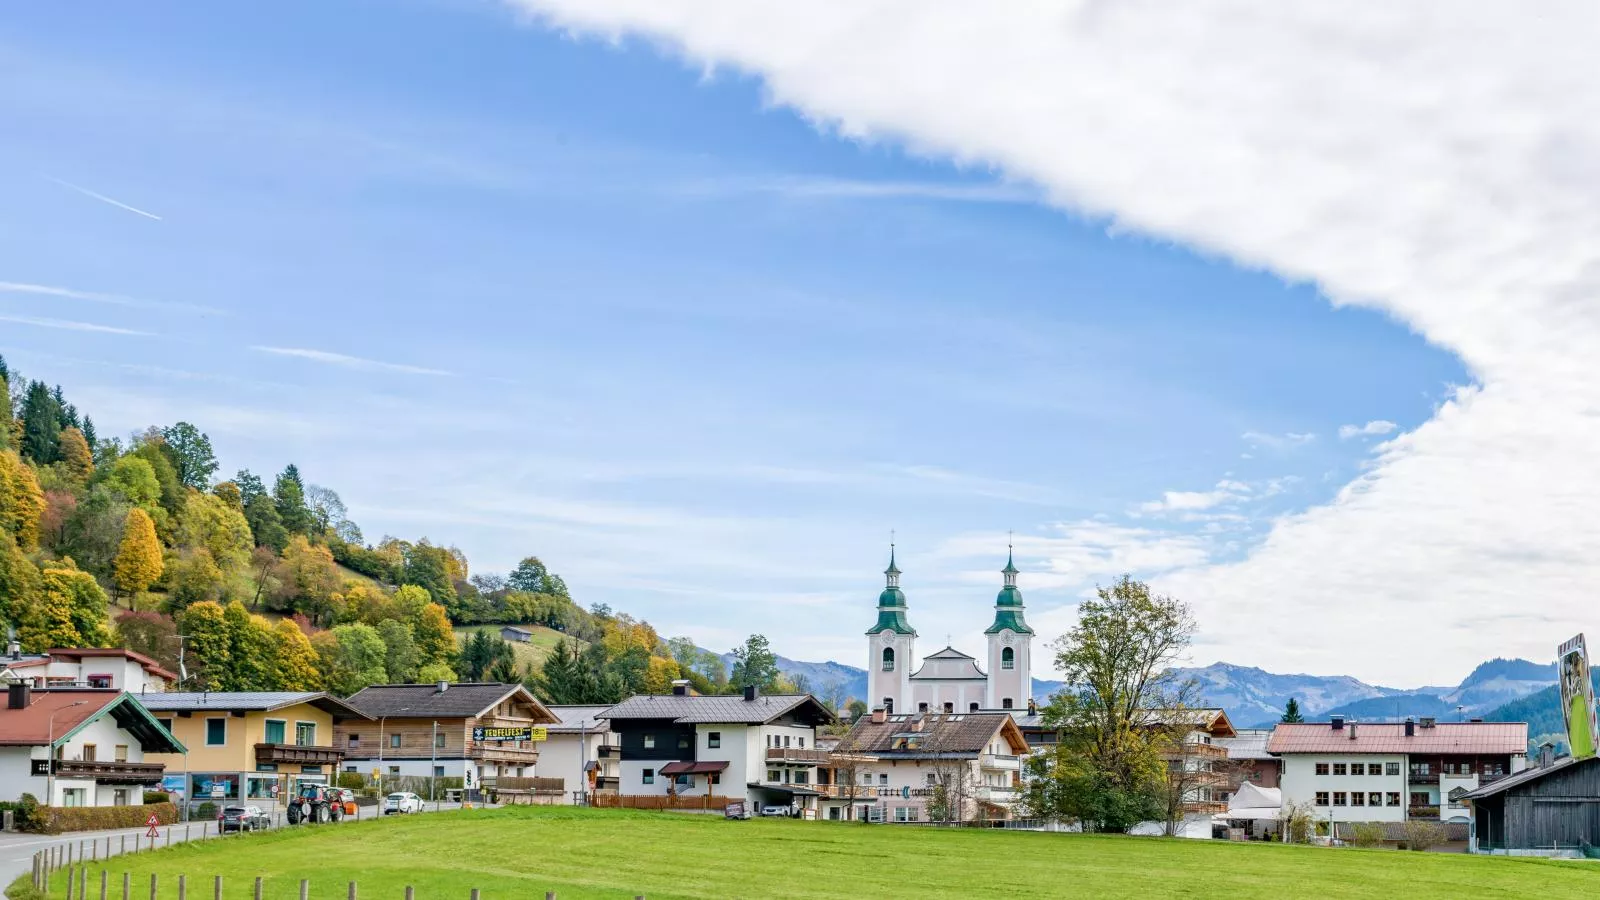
column 1210, row 720
column 965, row 667
column 1250, row 743
column 53, row 717
column 577, row 718
column 465, row 700
column 81, row 653
column 1383, row 737
column 714, row 710
column 1524, row 777
column 940, row 735
column 248, row 701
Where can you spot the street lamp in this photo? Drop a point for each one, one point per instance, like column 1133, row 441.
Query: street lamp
column 50, row 754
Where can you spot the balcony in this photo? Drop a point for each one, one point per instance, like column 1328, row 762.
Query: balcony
column 275, row 754
column 796, row 755
column 610, row 751
column 105, row 772
column 989, row 793
column 1423, row 812
column 1431, row 778
column 607, row 783
column 1000, row 761
column 508, row 752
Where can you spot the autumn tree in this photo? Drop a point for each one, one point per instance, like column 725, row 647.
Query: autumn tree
column 76, row 459
column 22, row 503
column 401, row 659
column 436, row 641
column 353, row 660
column 209, row 521
column 138, row 562
column 310, row 579
column 21, row 587
column 190, row 452
column 72, row 611
column 152, row 634
column 296, row 659
column 133, row 480
column 210, row 646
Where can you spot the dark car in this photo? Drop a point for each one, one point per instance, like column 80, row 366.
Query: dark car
column 243, row 818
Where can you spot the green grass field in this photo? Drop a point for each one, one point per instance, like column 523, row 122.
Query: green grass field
column 521, row 852
column 530, row 655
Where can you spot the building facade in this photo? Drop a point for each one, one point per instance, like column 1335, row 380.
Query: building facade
column 1550, row 809
column 949, row 681
column 81, row 667
column 582, row 751
column 80, row 747
column 912, row 767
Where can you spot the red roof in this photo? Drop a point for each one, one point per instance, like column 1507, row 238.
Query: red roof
column 31, row 727
column 694, row 768
column 1444, row 738
column 82, row 653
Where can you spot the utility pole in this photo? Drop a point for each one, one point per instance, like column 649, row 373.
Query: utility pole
column 433, row 767
column 183, row 675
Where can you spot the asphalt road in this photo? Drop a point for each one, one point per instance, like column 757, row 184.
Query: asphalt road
column 16, row 849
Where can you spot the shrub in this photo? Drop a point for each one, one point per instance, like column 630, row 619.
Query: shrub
column 206, row 810
column 1423, row 835
column 1367, row 834
column 1299, row 823
column 28, row 817
column 156, row 797
column 56, row 819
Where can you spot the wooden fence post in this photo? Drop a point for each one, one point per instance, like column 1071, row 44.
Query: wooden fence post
column 153, row 886
column 126, row 886
column 305, row 889
column 352, row 891
column 411, row 893
column 549, row 895
column 183, row 887
column 216, row 888
column 474, row 894
column 169, row 836
column 186, row 832
column 105, row 877
column 83, row 883
column 258, row 888
column 69, row 884
column 124, row 843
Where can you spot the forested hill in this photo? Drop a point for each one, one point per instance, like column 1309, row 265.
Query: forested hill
column 109, row 541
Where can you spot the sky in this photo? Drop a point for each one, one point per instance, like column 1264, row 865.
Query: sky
column 1288, row 312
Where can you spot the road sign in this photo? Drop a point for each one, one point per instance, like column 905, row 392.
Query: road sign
column 153, row 822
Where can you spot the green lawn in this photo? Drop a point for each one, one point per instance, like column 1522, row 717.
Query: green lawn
column 530, row 655
column 519, row 853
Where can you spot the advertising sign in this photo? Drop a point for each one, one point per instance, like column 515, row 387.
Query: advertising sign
column 734, row 810
column 513, row 733
column 172, row 784
column 1577, row 699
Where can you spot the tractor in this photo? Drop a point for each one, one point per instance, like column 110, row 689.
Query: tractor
column 315, row 803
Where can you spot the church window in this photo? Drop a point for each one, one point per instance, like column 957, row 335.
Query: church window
column 949, row 707
column 922, row 707
column 1006, row 703
column 972, row 707
column 1008, row 658
column 888, row 705
column 888, row 659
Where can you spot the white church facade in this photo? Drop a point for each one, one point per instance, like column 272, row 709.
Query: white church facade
column 949, row 681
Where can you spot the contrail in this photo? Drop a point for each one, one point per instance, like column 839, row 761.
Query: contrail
column 104, row 199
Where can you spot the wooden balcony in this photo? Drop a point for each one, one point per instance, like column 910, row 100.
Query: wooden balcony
column 508, row 752
column 106, row 772
column 277, row 754
column 796, row 755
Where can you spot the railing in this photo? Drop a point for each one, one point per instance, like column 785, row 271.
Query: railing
column 1422, row 812
column 997, row 794
column 610, row 751
column 110, row 772
column 999, row 761
column 1432, row 778
column 296, row 753
column 899, row 792
column 788, row 754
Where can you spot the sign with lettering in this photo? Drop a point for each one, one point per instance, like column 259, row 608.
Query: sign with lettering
column 734, row 810
column 509, row 733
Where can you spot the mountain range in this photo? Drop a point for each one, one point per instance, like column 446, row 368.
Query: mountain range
column 1253, row 697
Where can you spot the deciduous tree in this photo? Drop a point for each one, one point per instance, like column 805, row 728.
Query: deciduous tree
column 76, row 459
column 72, row 611
column 754, row 663
column 210, row 648
column 296, row 660
column 191, row 455
column 138, row 562
column 354, row 659
column 436, row 641
column 401, row 660
column 22, row 503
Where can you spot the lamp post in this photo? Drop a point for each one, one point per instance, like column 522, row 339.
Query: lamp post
column 50, row 754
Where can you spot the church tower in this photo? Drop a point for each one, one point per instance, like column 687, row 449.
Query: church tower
column 890, row 646
column 1010, row 647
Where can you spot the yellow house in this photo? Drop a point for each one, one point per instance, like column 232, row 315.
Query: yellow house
column 249, row 746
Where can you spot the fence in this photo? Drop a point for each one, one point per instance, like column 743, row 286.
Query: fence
column 651, row 801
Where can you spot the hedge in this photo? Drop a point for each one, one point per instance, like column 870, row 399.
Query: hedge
column 57, row 819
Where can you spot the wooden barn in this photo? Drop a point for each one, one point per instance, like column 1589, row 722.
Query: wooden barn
column 1548, row 810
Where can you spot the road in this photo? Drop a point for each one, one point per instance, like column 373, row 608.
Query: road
column 16, row 849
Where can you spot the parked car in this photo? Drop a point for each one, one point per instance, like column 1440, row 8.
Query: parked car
column 776, row 811
column 243, row 818
column 402, row 802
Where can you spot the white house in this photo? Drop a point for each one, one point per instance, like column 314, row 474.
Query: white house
column 581, row 750
column 755, row 748
column 120, row 670
column 889, row 767
column 98, row 739
column 949, row 681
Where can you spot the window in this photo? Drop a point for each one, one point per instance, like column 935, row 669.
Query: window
column 1358, row 769
column 800, row 776
column 833, row 813
column 394, row 770
column 922, row 707
column 1358, row 799
column 888, row 705
column 119, row 797
column 1322, row 768
column 99, row 681
column 866, row 778
column 394, row 742
column 685, row 781
column 972, row 707
column 902, row 813
column 89, row 752
column 1374, row 798
column 273, row 731
column 355, row 741
column 216, row 732
column 1419, row 798
column 1393, row 798
column 772, row 776
column 949, row 707
column 166, row 724
column 932, row 779
column 683, row 742
column 1421, row 768
column 648, row 776
column 649, row 741
column 883, row 778
column 1391, row 768
column 438, row 740
column 1008, row 658
column 74, row 797
column 122, row 753
column 888, row 659
column 786, row 741
column 1494, row 768
column 1322, row 798
column 1006, row 703
column 1339, row 768
column 801, row 741
column 713, row 739
column 1338, row 798
column 438, row 771
column 305, row 735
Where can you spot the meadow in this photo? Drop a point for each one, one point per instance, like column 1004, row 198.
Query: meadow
column 523, row 852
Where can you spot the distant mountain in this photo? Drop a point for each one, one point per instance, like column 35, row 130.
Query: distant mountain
column 1542, row 711
column 819, row 675
column 1256, row 697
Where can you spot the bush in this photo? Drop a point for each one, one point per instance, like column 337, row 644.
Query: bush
column 56, row 819
column 1367, row 834
column 1422, row 835
column 28, row 817
column 1299, row 823
column 206, row 810
column 156, row 797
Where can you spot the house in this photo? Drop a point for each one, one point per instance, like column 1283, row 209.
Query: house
column 1550, row 809
column 250, row 745
column 761, row 749
column 79, row 747
column 1391, row 772
column 472, row 731
column 1197, row 763
column 1248, row 760
column 582, row 751
column 513, row 633
column 63, row 667
column 890, row 768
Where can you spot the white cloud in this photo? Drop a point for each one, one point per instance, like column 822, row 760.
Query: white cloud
column 1286, row 441
column 350, row 362
column 1438, row 161
column 1375, row 427
column 69, row 325
column 45, row 290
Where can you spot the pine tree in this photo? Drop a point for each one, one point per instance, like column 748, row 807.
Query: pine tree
column 289, row 496
column 41, row 424
column 89, row 436
column 138, row 562
column 266, row 527
column 1291, row 712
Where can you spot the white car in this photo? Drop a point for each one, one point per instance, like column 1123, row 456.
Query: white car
column 402, row 802
column 777, row 811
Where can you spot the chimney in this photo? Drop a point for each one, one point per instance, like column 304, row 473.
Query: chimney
column 916, row 723
column 15, row 649
column 1352, row 730
column 751, row 692
column 879, row 716
column 441, row 687
column 680, row 687
column 1547, row 754
column 19, row 695
column 1033, row 707
column 1336, row 722
column 1411, row 727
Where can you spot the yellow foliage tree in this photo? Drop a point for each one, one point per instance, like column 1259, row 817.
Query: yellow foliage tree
column 436, row 641
column 138, row 562
column 72, row 611
column 209, row 521
column 659, row 674
column 21, row 500
column 76, row 457
column 296, row 660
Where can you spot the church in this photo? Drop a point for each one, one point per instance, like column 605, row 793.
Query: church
column 948, row 681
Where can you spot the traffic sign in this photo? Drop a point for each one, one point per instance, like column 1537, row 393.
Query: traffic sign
column 153, row 822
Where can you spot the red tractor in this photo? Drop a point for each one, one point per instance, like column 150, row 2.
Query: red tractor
column 315, row 803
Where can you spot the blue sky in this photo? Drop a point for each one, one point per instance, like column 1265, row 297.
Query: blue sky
column 578, row 299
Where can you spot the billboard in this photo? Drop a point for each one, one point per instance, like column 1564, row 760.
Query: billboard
column 1577, row 698
column 514, row 733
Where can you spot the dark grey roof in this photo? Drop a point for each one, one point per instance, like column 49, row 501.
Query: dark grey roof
column 734, row 709
column 576, row 718
column 457, row 701
column 941, row 734
column 1520, row 778
column 266, row 701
